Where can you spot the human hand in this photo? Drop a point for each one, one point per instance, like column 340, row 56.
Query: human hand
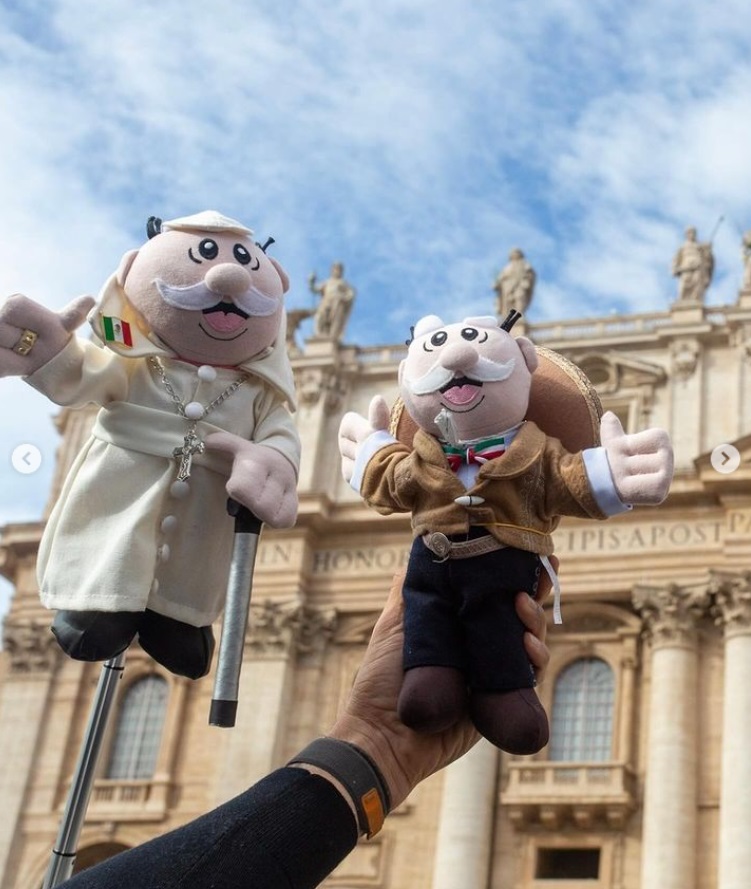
column 370, row 720
column 354, row 429
column 641, row 463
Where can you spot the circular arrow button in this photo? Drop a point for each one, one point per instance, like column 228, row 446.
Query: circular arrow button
column 725, row 458
column 26, row 458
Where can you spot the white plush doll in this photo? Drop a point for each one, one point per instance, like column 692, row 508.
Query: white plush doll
column 189, row 365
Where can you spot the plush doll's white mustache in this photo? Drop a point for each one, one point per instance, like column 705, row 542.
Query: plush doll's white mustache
column 198, row 296
column 485, row 371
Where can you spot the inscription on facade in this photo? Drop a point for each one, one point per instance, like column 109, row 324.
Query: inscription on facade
column 653, row 536
column 369, row 559
column 594, row 538
column 275, row 555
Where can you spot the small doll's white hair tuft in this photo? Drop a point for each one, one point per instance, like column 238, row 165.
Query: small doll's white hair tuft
column 481, row 321
column 427, row 324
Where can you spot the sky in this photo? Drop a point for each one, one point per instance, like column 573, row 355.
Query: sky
column 417, row 142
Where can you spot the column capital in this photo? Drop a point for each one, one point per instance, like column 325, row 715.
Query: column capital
column 31, row 647
column 671, row 612
column 280, row 629
column 731, row 607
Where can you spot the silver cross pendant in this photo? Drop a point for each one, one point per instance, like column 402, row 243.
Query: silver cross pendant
column 192, row 445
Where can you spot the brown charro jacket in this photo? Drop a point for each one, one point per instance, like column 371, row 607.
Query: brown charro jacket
column 526, row 490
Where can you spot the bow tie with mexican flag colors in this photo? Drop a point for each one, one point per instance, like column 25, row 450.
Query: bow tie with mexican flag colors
column 478, row 452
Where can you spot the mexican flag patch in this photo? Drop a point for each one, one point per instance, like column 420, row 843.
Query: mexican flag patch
column 116, row 330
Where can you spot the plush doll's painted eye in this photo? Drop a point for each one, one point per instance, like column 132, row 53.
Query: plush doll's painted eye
column 208, row 248
column 242, row 255
column 438, row 339
column 471, row 333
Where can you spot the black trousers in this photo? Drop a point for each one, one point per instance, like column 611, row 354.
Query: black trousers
column 460, row 613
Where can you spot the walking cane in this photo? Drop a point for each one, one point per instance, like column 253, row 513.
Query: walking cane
column 229, row 663
column 64, row 853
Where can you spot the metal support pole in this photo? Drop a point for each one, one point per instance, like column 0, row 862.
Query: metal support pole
column 229, row 663
column 64, row 854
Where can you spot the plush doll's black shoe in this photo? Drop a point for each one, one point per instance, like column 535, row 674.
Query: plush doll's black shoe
column 515, row 721
column 95, row 635
column 183, row 649
column 432, row 698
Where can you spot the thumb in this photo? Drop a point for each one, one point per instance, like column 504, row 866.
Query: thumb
column 611, row 428
column 74, row 314
column 379, row 415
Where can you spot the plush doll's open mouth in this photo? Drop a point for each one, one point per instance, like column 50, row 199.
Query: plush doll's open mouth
column 461, row 390
column 225, row 317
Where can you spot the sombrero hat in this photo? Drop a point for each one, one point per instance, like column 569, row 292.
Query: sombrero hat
column 563, row 403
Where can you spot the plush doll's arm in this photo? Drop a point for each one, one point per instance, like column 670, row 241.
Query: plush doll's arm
column 264, row 471
column 360, row 438
column 373, row 460
column 82, row 373
column 53, row 330
column 641, row 463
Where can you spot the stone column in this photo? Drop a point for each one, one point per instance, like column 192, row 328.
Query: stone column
column 24, row 696
column 733, row 611
column 278, row 631
column 669, row 840
column 465, row 830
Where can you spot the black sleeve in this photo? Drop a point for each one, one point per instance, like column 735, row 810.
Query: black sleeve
column 289, row 831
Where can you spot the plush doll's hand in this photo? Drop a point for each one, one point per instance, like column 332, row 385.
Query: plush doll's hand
column 261, row 479
column 354, row 429
column 641, row 463
column 20, row 315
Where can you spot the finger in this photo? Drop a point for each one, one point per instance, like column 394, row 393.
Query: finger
column 611, row 428
column 74, row 314
column 648, row 441
column 532, row 615
column 538, row 654
column 353, row 427
column 379, row 415
column 347, row 448
column 9, row 335
column 395, row 598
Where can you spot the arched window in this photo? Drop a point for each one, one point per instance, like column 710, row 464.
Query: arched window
column 582, row 718
column 139, row 730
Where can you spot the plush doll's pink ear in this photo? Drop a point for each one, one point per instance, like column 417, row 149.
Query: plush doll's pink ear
column 282, row 274
column 125, row 263
column 563, row 403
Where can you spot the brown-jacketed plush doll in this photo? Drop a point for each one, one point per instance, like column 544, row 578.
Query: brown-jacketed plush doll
column 189, row 365
column 486, row 489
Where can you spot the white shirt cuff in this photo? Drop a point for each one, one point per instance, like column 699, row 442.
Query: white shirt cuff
column 373, row 443
column 601, row 482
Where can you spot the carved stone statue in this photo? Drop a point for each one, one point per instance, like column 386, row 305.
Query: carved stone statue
column 693, row 265
column 746, row 253
column 515, row 284
column 333, row 310
column 295, row 317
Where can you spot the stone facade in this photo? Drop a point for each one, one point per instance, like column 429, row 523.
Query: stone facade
column 662, row 596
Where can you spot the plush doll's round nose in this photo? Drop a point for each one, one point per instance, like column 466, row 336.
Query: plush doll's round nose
column 227, row 279
column 459, row 357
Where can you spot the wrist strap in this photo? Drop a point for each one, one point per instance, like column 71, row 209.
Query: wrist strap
column 357, row 772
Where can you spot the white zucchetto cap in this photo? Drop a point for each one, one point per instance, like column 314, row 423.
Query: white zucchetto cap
column 206, row 221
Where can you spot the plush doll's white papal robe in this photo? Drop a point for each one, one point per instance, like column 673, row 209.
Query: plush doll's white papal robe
column 118, row 539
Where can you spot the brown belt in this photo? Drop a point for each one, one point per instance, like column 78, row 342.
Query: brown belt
column 444, row 548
